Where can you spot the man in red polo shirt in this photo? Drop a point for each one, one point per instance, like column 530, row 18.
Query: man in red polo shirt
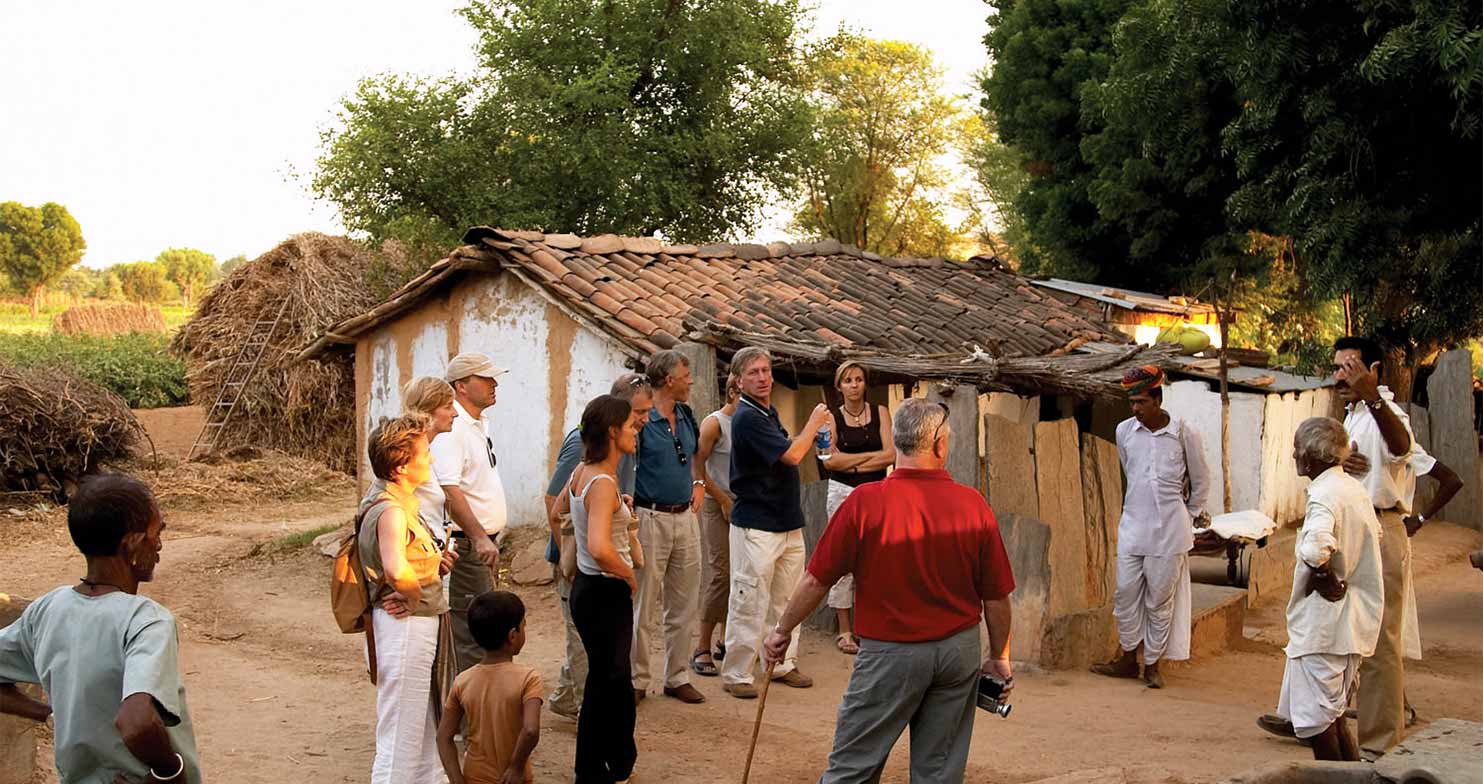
column 928, row 564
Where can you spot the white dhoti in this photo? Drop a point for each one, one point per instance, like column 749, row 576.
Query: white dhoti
column 1152, row 605
column 1316, row 689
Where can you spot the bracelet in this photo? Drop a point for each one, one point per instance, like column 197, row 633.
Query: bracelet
column 698, row 483
column 172, row 776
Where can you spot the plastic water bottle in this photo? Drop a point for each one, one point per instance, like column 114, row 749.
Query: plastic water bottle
column 822, row 442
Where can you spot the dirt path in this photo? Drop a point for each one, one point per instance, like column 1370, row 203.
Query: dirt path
column 278, row 694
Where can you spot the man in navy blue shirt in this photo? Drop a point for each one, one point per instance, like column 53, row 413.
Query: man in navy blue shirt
column 767, row 552
column 667, row 497
column 567, row 699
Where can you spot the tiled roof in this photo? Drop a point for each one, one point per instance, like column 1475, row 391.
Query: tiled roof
column 817, row 296
column 652, row 295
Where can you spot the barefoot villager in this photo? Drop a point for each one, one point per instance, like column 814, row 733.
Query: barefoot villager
column 931, row 564
column 500, row 698
column 714, row 458
column 862, row 453
column 1167, row 488
column 466, row 466
column 767, row 552
column 566, row 700
column 404, row 566
column 603, row 591
column 1333, row 615
column 107, row 658
column 667, row 497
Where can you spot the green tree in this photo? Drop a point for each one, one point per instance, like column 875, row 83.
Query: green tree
column 1044, row 53
column 189, row 269
column 634, row 116
column 1358, row 138
column 230, row 265
column 999, row 175
column 873, row 172
column 37, row 246
column 143, row 281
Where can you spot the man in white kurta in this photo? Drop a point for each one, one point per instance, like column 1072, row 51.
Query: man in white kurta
column 1168, row 484
column 1327, row 635
column 1380, row 432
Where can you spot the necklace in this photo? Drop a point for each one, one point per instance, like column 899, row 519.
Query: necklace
column 95, row 584
column 853, row 415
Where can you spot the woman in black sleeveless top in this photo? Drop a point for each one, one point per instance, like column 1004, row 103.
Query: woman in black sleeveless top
column 862, row 452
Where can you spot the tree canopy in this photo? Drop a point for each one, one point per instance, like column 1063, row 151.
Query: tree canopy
column 189, row 269
column 873, row 175
column 634, row 116
column 143, row 281
column 37, row 246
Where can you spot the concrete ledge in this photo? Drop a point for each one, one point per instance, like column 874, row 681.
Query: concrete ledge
column 1216, row 619
column 1308, row 773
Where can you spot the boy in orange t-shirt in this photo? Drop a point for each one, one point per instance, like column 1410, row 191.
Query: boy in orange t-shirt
column 501, row 699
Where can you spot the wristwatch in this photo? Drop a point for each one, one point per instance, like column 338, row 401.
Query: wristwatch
column 1377, row 405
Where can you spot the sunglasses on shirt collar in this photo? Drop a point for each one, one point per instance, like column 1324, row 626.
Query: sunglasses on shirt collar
column 489, row 443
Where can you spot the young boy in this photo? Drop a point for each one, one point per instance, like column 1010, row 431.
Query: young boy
column 501, row 699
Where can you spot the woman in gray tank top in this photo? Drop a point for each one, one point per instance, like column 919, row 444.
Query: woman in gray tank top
column 602, row 592
column 714, row 456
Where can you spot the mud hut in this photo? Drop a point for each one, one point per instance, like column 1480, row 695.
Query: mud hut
column 302, row 408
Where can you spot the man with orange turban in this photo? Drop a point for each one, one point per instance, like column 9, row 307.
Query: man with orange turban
column 1167, row 487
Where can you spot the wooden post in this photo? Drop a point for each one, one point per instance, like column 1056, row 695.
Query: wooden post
column 962, row 403
column 705, row 393
column 1225, row 401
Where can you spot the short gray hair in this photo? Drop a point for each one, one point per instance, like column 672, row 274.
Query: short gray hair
column 914, row 423
column 629, row 385
column 1321, row 440
column 662, row 364
column 745, row 357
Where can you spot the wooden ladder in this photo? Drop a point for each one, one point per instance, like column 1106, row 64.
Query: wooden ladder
column 241, row 371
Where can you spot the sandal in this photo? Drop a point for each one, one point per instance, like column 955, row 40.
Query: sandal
column 706, row 668
column 847, row 643
column 720, row 653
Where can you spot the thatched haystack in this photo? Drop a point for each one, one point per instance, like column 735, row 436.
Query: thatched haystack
column 107, row 319
column 56, row 428
column 301, row 408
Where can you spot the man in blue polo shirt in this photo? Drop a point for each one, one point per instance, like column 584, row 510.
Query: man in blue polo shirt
column 667, row 497
column 767, row 552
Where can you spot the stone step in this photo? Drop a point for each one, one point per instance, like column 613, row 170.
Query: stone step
column 1217, row 615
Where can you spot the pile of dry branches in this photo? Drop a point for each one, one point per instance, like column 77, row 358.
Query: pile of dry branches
column 301, row 408
column 56, row 428
column 243, row 475
column 108, row 319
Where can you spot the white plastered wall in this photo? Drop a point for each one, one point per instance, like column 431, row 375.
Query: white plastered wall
column 1199, row 405
column 556, row 366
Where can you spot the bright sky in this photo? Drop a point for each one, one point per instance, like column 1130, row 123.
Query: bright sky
column 165, row 123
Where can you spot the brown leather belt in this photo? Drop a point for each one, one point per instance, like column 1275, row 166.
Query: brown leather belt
column 644, row 503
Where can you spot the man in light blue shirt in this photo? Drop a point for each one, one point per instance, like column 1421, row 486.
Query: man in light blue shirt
column 107, row 658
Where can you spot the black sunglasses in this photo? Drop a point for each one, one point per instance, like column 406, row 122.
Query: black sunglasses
column 493, row 461
column 680, row 451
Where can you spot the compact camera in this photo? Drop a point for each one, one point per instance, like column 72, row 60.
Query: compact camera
column 991, row 696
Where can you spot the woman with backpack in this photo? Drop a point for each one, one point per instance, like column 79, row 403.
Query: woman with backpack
column 404, row 563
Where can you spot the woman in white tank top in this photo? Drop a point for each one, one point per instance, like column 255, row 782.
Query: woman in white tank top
column 602, row 592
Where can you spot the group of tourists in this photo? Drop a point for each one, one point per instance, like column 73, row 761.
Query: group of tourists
column 665, row 527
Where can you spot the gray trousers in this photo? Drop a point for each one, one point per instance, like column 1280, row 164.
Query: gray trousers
column 928, row 686
column 570, row 681
column 469, row 578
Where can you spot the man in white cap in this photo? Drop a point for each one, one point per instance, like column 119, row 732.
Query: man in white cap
column 465, row 465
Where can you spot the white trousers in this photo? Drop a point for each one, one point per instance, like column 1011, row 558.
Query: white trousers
column 766, row 568
column 669, row 585
column 1315, row 690
column 842, row 593
column 406, row 735
column 1152, row 605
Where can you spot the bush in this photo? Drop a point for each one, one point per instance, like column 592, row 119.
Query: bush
column 138, row 367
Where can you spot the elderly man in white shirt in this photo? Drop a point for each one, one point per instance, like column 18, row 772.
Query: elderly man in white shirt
column 1161, row 455
column 468, row 470
column 1334, row 613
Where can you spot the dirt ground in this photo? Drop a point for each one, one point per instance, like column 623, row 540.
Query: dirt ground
column 278, row 694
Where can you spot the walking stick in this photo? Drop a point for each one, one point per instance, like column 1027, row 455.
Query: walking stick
column 761, row 703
